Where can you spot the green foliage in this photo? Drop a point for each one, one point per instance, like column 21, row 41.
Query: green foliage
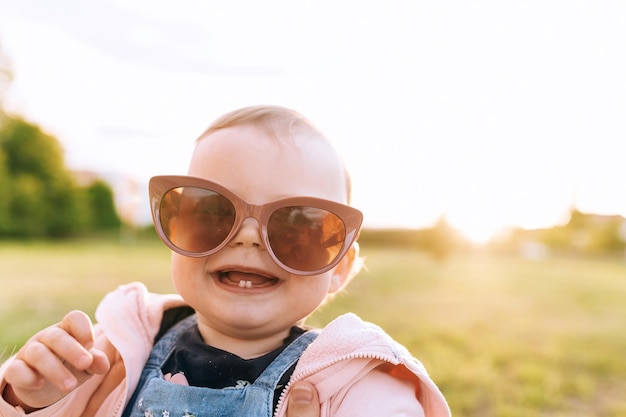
column 439, row 240
column 67, row 215
column 27, row 211
column 102, row 208
column 5, row 183
column 31, row 151
column 442, row 240
column 40, row 195
column 584, row 233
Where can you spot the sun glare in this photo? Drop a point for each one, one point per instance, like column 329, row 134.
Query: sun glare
column 478, row 228
column 479, row 233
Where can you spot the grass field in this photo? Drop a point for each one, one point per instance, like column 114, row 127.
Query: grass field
column 502, row 337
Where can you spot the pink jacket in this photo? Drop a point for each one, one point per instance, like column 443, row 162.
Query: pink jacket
column 357, row 368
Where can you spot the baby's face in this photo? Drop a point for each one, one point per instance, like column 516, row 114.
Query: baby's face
column 259, row 169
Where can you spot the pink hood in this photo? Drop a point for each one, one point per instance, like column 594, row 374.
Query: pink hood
column 346, row 350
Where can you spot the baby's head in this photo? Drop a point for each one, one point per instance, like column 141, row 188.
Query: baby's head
column 262, row 270
column 286, row 127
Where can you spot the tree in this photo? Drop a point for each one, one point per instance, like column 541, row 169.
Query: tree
column 101, row 202
column 31, row 151
column 4, row 185
column 441, row 239
column 43, row 201
column 40, row 196
column 6, row 76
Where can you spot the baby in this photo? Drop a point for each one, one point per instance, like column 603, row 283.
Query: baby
column 261, row 235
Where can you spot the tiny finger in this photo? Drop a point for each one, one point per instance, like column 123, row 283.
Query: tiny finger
column 20, row 375
column 100, row 363
column 78, row 324
column 66, row 347
column 47, row 364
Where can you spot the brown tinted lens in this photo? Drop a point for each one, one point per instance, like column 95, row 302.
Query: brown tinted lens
column 196, row 220
column 305, row 238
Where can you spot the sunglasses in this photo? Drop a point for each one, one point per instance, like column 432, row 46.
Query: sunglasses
column 303, row 235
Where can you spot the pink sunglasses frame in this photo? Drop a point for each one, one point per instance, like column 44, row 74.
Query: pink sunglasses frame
column 160, row 185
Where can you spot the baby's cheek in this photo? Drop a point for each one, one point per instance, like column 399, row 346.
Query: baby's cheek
column 187, row 272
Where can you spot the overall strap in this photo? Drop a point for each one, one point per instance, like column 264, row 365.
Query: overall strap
column 285, row 360
column 158, row 356
column 163, row 349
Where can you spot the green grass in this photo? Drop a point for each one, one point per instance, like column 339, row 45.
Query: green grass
column 40, row 283
column 502, row 337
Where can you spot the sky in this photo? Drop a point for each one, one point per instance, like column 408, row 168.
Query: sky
column 492, row 113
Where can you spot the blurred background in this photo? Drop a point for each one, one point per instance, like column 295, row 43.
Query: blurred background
column 492, row 114
column 484, row 140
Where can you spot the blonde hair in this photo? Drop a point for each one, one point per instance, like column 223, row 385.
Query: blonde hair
column 278, row 122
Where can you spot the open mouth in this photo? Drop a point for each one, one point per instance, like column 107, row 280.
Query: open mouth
column 246, row 279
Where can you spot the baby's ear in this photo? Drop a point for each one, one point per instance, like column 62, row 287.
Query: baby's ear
column 346, row 269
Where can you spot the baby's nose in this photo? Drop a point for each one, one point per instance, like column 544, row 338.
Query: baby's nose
column 248, row 235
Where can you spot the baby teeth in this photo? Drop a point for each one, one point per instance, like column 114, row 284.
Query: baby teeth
column 245, row 284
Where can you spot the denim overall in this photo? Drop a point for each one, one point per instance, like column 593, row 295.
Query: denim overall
column 155, row 397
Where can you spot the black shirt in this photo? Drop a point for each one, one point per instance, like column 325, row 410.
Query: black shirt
column 206, row 366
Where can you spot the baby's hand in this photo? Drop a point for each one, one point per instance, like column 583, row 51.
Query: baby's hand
column 54, row 362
